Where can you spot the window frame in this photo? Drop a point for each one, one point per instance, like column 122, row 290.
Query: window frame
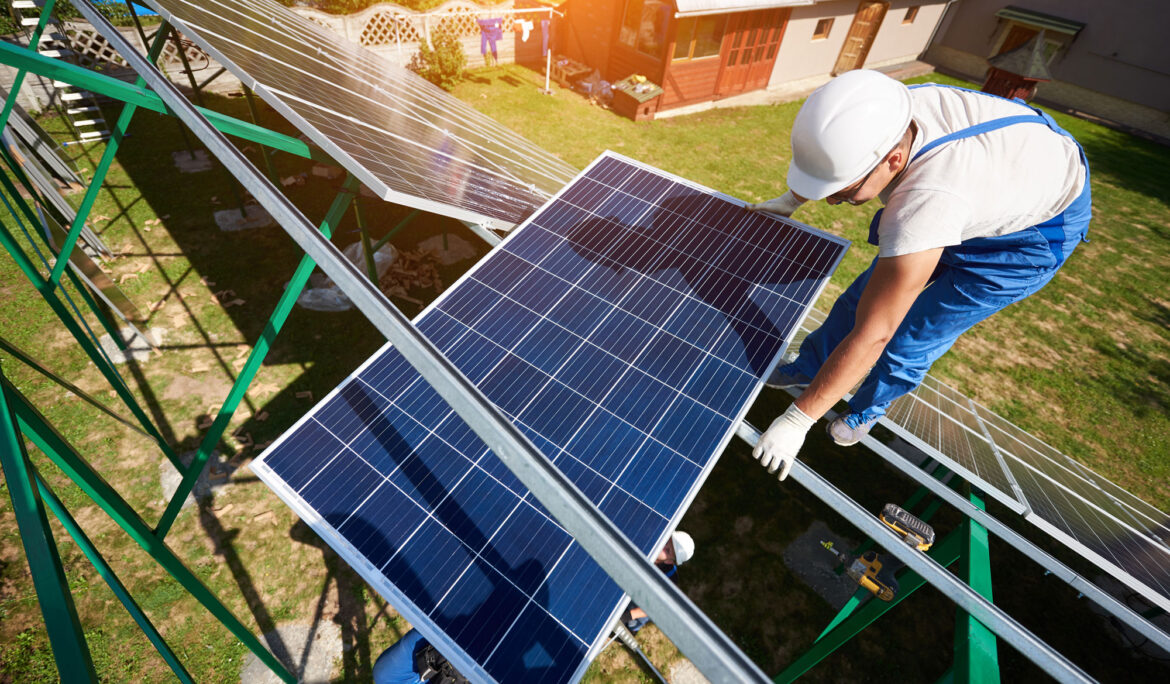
column 911, row 14
column 693, row 42
column 828, row 28
column 625, row 30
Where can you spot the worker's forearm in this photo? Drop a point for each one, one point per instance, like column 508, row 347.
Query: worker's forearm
column 844, row 368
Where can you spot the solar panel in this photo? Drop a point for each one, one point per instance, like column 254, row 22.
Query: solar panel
column 625, row 328
column 1123, row 535
column 404, row 138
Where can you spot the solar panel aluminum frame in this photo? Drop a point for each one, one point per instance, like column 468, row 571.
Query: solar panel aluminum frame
column 275, row 99
column 373, row 575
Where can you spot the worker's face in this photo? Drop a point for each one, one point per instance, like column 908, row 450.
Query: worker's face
column 666, row 555
column 873, row 182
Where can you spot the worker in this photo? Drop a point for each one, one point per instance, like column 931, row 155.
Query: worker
column 679, row 549
column 413, row 660
column 985, row 198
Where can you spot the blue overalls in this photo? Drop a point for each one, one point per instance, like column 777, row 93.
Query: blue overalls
column 973, row 280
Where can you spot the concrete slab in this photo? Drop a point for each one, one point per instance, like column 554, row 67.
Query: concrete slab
column 186, row 163
column 215, row 478
column 311, row 652
column 138, row 347
column 809, row 561
column 230, row 220
column 685, row 672
column 457, row 249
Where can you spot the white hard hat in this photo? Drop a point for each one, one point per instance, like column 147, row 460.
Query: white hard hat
column 684, row 547
column 844, row 129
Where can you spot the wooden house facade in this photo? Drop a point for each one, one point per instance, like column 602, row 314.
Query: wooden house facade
column 703, row 50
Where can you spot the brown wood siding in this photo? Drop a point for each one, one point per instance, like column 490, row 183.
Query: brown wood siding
column 625, row 60
column 692, row 81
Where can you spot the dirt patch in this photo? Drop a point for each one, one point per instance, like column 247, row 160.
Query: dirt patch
column 207, row 390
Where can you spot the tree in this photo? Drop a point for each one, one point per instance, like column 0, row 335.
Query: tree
column 442, row 62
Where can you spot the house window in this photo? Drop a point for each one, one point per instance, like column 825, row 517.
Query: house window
column 821, row 32
column 699, row 37
column 644, row 25
column 911, row 15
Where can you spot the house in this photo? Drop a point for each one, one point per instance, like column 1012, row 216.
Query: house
column 1105, row 59
column 705, row 50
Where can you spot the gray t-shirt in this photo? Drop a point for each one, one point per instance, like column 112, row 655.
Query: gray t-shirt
column 986, row 185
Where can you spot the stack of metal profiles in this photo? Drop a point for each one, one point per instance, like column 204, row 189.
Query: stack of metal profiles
column 625, row 328
column 405, row 139
column 1123, row 535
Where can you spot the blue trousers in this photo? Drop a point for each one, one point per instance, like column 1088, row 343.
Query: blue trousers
column 972, row 281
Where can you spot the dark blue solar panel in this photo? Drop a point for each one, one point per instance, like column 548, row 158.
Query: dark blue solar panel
column 625, row 328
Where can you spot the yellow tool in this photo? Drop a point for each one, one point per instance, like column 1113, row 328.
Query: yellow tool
column 914, row 531
column 867, row 570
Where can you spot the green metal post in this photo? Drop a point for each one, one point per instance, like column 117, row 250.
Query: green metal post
column 367, row 247
column 99, row 563
column 10, row 191
column 74, row 663
column 945, row 552
column 254, row 112
column 976, row 659
column 283, row 308
column 37, row 429
column 99, row 173
column 18, row 80
column 116, row 382
column 401, row 224
column 32, row 363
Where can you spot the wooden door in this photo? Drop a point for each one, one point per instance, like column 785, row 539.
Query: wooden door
column 862, row 31
column 749, row 50
column 1017, row 36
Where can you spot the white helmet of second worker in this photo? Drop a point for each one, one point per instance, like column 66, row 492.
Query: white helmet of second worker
column 844, row 129
column 684, row 547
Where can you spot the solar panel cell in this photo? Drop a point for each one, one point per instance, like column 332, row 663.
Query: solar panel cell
column 613, row 348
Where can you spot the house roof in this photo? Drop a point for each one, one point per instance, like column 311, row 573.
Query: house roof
column 1028, row 60
column 1046, row 21
column 688, row 8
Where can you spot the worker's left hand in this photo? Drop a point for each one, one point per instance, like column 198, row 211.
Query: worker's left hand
column 780, row 443
column 784, row 204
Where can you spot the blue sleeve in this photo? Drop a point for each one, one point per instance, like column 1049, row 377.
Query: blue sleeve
column 396, row 664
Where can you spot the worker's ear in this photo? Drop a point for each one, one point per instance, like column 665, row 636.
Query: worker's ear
column 896, row 160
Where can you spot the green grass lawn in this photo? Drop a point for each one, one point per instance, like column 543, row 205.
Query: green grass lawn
column 1084, row 365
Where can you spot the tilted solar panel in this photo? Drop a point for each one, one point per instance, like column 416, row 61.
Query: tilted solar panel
column 625, row 329
column 1123, row 535
column 404, row 138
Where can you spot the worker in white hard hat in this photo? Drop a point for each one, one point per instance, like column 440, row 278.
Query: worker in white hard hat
column 679, row 549
column 984, row 200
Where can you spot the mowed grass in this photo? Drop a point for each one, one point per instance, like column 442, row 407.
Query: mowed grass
column 1083, row 365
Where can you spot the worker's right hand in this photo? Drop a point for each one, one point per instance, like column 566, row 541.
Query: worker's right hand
column 780, row 443
column 784, row 204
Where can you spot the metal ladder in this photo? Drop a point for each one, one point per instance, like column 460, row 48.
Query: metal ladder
column 80, row 106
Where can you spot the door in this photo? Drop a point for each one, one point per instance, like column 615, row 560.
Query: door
column 865, row 26
column 749, row 50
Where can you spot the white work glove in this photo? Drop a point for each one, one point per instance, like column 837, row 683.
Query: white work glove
column 784, row 205
column 779, row 445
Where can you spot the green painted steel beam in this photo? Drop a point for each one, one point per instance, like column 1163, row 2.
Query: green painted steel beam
column 976, row 659
column 74, row 663
column 18, row 80
column 945, row 553
column 27, row 359
column 49, row 294
column 117, row 134
column 34, row 426
column 10, row 193
column 100, row 84
column 99, row 563
column 256, row 357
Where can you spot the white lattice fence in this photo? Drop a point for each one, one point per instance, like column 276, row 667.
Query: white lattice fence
column 395, row 32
